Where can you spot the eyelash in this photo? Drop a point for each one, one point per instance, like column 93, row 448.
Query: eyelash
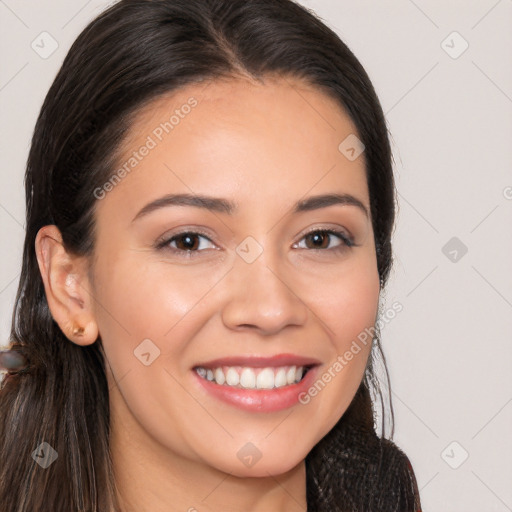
column 346, row 241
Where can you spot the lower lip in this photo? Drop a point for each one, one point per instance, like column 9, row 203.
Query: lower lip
column 260, row 400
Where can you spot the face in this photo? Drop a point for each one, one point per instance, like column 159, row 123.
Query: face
column 252, row 286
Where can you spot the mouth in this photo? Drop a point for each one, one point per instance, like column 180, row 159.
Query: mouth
column 257, row 384
column 247, row 377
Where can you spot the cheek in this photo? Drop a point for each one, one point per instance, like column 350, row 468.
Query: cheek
column 140, row 300
column 354, row 308
column 150, row 308
column 348, row 307
column 345, row 298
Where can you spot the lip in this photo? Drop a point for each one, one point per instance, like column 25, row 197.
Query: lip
column 258, row 400
column 260, row 361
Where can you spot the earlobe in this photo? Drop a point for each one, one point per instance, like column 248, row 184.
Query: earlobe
column 67, row 287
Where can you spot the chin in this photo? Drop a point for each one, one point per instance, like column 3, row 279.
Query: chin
column 253, row 463
column 264, row 469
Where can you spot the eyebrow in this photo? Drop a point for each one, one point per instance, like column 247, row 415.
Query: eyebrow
column 221, row 205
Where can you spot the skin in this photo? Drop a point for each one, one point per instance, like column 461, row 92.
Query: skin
column 264, row 146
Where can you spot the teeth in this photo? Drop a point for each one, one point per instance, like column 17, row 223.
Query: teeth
column 219, row 376
column 247, row 379
column 232, row 377
column 290, row 375
column 253, row 378
column 265, row 379
column 280, row 378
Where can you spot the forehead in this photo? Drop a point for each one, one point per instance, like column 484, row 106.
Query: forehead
column 276, row 140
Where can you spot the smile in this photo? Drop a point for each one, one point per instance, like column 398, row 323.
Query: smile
column 260, row 384
column 253, row 378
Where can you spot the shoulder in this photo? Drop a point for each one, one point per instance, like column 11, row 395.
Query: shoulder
column 360, row 471
column 394, row 476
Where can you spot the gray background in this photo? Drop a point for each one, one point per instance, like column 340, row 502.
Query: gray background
column 449, row 110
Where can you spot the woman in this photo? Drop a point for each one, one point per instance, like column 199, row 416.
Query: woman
column 210, row 202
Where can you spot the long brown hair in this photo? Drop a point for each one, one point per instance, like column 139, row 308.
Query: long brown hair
column 129, row 55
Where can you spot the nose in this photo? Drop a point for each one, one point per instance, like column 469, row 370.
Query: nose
column 262, row 298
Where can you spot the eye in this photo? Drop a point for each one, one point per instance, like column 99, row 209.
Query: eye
column 186, row 242
column 320, row 237
column 189, row 242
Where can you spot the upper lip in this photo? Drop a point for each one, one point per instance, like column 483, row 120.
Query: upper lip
column 260, row 361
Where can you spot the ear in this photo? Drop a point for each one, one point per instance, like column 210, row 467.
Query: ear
column 67, row 286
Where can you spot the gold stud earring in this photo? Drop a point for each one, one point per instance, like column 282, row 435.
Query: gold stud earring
column 78, row 331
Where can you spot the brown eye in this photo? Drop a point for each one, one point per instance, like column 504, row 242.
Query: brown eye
column 321, row 238
column 186, row 243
